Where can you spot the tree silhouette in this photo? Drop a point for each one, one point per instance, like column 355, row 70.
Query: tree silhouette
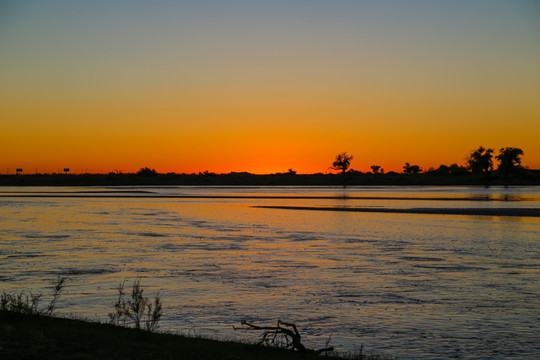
column 146, row 171
column 411, row 169
column 480, row 161
column 342, row 162
column 375, row 169
column 452, row 170
column 456, row 169
column 509, row 160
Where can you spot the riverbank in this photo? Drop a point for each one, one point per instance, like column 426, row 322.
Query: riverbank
column 41, row 337
column 528, row 177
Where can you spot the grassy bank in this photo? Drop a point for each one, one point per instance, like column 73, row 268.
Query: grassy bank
column 41, row 337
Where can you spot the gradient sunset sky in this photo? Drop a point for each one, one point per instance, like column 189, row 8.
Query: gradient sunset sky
column 264, row 86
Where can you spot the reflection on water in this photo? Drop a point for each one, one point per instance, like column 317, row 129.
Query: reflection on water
column 418, row 286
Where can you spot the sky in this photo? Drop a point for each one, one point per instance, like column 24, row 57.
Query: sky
column 265, row 86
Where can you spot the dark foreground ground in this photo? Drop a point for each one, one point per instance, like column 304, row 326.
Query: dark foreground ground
column 40, row 337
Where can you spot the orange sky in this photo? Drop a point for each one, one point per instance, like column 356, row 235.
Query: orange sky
column 263, row 88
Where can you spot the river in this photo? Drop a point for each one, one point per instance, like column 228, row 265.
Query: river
column 406, row 271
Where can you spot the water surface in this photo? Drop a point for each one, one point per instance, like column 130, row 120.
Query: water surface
column 415, row 285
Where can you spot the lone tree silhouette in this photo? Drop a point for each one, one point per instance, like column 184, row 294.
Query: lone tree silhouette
column 342, row 162
column 146, row 171
column 376, row 169
column 509, row 160
column 411, row 169
column 480, row 161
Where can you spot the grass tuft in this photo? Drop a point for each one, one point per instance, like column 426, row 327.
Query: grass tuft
column 139, row 309
column 29, row 303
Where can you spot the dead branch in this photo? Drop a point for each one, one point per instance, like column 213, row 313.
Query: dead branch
column 282, row 335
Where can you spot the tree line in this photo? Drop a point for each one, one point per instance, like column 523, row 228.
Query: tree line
column 479, row 162
column 481, row 166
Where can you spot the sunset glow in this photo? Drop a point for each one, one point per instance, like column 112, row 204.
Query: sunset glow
column 265, row 86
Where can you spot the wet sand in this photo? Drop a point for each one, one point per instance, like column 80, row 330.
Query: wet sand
column 436, row 211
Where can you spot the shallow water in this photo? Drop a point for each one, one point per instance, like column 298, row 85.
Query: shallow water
column 420, row 286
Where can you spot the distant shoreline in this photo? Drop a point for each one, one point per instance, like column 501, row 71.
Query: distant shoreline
column 519, row 212
column 149, row 195
column 529, row 177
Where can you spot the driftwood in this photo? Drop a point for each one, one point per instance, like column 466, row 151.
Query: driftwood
column 282, row 335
